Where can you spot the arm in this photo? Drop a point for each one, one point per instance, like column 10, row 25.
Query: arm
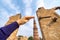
column 7, row 30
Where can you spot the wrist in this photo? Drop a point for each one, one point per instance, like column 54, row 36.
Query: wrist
column 18, row 22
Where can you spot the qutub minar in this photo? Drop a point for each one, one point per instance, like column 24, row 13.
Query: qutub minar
column 35, row 32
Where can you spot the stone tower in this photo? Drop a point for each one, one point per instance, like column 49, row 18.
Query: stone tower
column 35, row 32
column 49, row 22
column 14, row 33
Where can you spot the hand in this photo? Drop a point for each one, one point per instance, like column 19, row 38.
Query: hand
column 24, row 20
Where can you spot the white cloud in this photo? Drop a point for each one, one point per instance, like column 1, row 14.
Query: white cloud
column 51, row 3
column 4, row 14
column 27, row 1
column 11, row 5
column 28, row 9
column 3, row 17
column 40, row 3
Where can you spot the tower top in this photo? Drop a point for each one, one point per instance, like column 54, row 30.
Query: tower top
column 34, row 21
column 34, row 24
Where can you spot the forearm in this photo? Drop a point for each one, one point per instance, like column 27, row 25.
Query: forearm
column 7, row 30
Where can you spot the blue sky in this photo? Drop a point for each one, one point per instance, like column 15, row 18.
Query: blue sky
column 26, row 8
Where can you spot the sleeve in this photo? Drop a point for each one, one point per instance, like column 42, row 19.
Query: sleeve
column 7, row 30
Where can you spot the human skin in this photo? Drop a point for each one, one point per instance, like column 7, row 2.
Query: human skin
column 24, row 20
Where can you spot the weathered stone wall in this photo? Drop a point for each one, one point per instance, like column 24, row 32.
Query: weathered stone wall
column 49, row 23
column 13, row 19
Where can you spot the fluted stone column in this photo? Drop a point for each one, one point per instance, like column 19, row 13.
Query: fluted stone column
column 35, row 32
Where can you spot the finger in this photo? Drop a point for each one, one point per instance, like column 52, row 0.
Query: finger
column 29, row 17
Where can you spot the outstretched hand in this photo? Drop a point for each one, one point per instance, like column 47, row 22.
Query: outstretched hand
column 24, row 20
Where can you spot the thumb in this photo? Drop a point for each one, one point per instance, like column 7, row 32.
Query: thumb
column 26, row 21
